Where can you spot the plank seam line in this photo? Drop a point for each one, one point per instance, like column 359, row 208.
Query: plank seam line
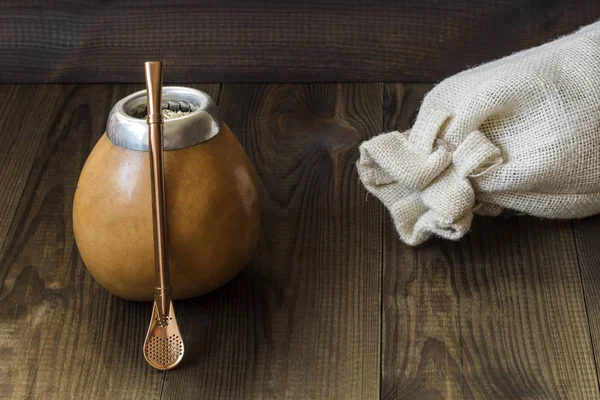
column 382, row 221
column 585, row 301
column 162, row 384
column 461, row 340
column 218, row 99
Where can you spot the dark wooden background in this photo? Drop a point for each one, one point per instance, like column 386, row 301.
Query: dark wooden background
column 332, row 306
column 272, row 41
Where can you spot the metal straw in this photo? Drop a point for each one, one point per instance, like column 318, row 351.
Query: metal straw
column 163, row 347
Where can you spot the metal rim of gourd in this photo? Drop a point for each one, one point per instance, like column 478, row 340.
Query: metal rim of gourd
column 127, row 128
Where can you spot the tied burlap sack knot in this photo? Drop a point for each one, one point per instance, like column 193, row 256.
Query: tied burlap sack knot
column 521, row 133
column 426, row 184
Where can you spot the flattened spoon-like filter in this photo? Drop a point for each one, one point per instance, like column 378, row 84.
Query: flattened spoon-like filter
column 163, row 347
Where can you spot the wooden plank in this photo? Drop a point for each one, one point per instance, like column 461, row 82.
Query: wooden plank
column 25, row 109
column 587, row 236
column 523, row 320
column 420, row 320
column 302, row 320
column 292, row 41
column 499, row 314
column 62, row 335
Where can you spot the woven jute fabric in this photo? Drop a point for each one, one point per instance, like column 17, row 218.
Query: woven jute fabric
column 521, row 133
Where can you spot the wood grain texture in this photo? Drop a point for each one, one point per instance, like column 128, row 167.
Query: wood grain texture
column 302, row 321
column 523, row 321
column 500, row 314
column 292, row 41
column 25, row 109
column 420, row 319
column 62, row 335
column 587, row 236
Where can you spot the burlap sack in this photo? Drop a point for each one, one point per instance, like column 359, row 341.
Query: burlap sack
column 521, row 133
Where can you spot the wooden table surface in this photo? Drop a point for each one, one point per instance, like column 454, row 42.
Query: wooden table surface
column 333, row 305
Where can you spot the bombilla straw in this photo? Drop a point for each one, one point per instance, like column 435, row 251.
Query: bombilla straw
column 163, row 347
column 153, row 72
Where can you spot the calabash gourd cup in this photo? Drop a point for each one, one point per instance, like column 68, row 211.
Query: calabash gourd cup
column 212, row 199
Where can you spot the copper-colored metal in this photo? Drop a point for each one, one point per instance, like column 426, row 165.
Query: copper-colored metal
column 163, row 347
column 154, row 119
